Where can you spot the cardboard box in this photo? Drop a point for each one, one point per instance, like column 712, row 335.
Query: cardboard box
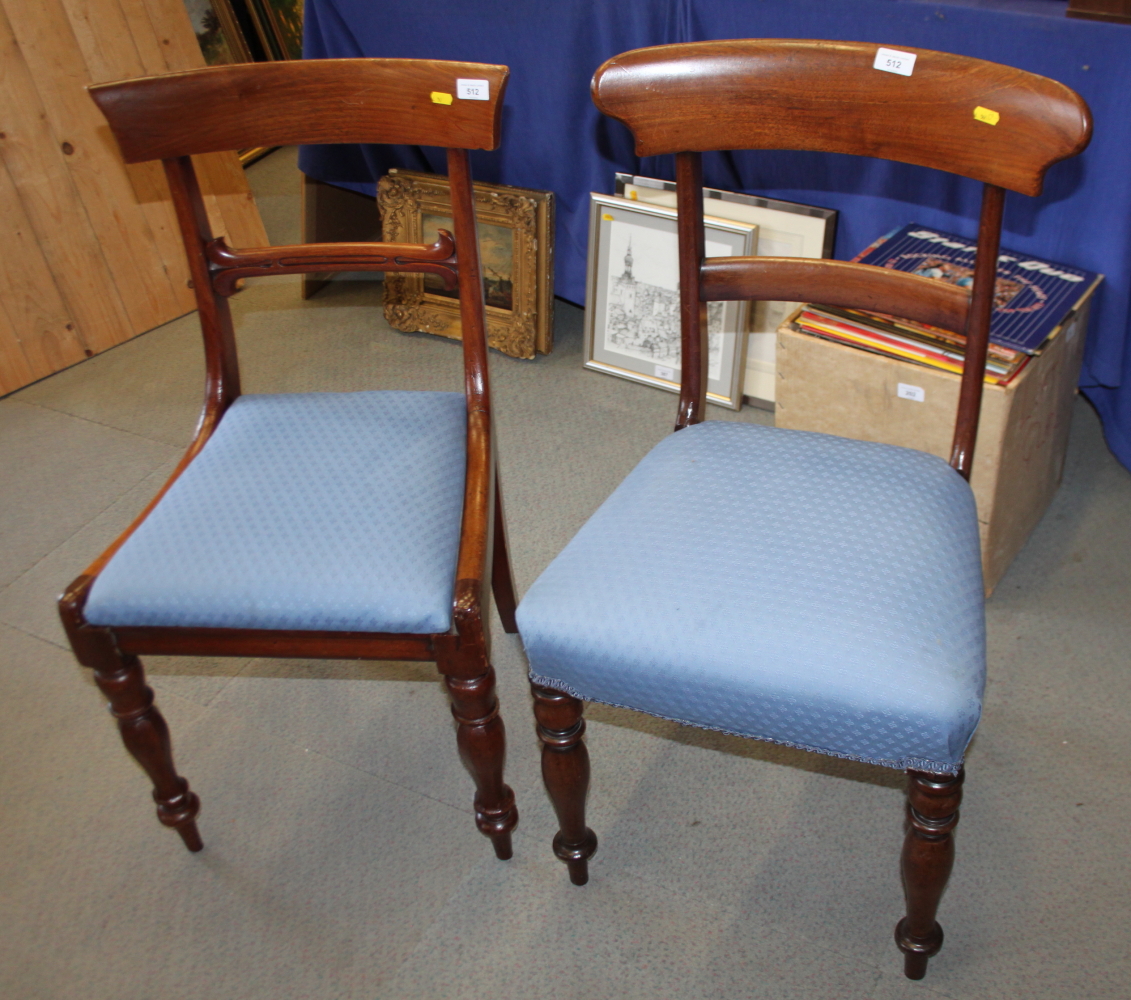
column 1022, row 435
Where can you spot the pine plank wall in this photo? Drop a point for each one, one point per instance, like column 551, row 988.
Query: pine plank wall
column 90, row 254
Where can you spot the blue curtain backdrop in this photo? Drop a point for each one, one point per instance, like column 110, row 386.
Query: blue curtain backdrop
column 553, row 137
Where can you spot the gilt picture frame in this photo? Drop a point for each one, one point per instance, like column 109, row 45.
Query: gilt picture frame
column 516, row 227
column 632, row 327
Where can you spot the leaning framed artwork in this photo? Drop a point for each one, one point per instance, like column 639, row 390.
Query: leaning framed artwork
column 515, row 227
column 632, row 324
column 785, row 229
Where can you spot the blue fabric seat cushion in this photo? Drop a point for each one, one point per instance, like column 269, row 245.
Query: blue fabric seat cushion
column 323, row 511
column 794, row 587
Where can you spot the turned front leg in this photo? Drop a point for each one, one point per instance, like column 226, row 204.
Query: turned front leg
column 482, row 748
column 146, row 736
column 565, row 771
column 928, row 856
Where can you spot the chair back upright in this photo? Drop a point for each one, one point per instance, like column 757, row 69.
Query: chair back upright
column 996, row 124
column 411, row 101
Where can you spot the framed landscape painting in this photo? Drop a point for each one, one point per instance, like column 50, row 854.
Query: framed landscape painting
column 515, row 227
column 632, row 324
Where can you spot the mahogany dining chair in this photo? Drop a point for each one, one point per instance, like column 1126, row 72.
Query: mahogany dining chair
column 360, row 525
column 813, row 591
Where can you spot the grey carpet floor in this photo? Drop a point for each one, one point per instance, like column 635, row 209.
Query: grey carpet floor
column 341, row 859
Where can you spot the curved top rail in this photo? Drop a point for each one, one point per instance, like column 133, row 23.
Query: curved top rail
column 994, row 123
column 835, row 283
column 409, row 101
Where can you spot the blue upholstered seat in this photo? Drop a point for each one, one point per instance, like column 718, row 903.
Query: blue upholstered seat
column 789, row 586
column 335, row 511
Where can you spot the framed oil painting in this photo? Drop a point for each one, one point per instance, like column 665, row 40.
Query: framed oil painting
column 279, row 26
column 217, row 31
column 515, row 227
column 632, row 298
column 785, row 229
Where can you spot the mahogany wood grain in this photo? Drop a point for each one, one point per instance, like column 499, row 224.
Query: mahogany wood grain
column 473, row 319
column 978, row 331
column 481, row 739
column 502, row 576
column 692, row 306
column 826, row 96
column 222, row 368
column 144, row 732
column 565, row 771
column 928, row 856
column 229, row 265
column 291, row 103
column 326, row 101
column 835, row 283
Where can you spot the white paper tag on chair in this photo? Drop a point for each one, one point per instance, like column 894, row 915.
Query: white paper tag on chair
column 894, row 61
column 905, row 391
column 478, row 90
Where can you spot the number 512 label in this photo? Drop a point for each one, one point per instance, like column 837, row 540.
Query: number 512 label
column 894, row 61
column 473, row 90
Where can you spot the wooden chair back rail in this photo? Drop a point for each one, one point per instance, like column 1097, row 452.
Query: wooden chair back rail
column 835, row 283
column 473, row 318
column 229, row 265
column 978, row 331
column 693, row 309
column 221, row 362
column 697, row 97
column 315, row 101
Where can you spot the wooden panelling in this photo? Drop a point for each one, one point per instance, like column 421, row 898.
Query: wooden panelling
column 90, row 254
column 39, row 336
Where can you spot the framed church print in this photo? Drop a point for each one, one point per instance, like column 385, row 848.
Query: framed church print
column 632, row 325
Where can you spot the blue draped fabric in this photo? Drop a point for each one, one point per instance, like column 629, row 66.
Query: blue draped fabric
column 553, row 137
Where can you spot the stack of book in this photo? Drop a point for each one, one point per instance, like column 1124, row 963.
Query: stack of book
column 1033, row 300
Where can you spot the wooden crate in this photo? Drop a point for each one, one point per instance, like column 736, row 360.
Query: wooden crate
column 1022, row 436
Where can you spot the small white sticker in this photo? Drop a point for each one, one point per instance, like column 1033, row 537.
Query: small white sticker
column 894, row 61
column 906, row 391
column 478, row 90
column 665, row 373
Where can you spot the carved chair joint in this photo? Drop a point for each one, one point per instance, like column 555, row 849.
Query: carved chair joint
column 227, row 265
column 932, row 827
column 562, row 739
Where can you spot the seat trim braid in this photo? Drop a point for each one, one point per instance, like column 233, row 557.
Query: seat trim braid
column 900, row 764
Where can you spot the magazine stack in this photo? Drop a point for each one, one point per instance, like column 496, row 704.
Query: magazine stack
column 1033, row 299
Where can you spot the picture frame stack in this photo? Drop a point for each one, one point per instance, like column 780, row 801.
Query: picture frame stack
column 785, row 229
column 632, row 326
